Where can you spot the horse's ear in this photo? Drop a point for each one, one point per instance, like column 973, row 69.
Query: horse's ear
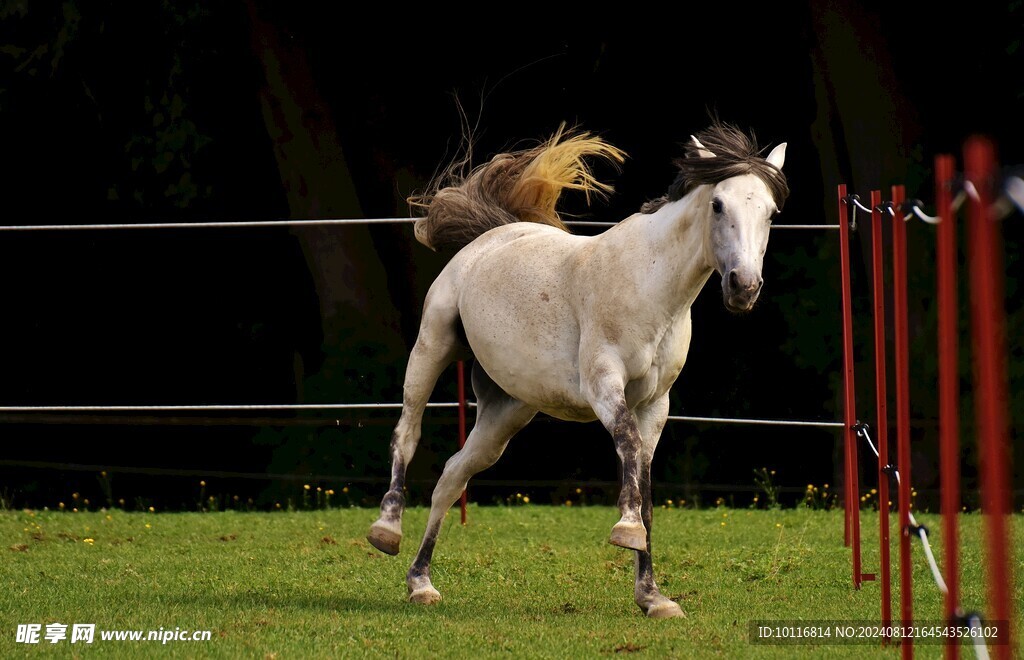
column 777, row 156
column 702, row 151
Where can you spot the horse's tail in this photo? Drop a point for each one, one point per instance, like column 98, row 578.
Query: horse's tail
column 520, row 186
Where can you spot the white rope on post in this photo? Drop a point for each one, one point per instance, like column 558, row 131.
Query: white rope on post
column 931, row 558
column 920, row 529
column 977, row 638
column 1015, row 191
column 974, row 621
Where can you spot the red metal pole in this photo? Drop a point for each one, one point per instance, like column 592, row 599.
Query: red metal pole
column 844, row 286
column 949, row 385
column 990, row 398
column 882, row 423
column 852, row 498
column 902, row 348
column 460, row 371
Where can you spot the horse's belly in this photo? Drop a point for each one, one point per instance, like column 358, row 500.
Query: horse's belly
column 552, row 390
column 535, row 368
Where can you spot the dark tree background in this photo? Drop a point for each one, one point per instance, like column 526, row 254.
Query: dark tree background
column 185, row 111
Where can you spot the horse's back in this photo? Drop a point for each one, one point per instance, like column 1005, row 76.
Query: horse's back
column 505, row 256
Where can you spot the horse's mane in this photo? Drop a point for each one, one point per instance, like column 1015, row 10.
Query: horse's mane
column 736, row 153
column 517, row 186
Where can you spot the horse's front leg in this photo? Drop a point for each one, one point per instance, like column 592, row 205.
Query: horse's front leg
column 604, row 387
column 651, row 421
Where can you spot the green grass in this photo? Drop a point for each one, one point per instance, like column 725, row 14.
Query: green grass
column 531, row 581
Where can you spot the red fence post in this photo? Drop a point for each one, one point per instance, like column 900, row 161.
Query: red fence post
column 902, row 348
column 852, row 513
column 460, row 372
column 949, row 385
column 882, row 428
column 990, row 378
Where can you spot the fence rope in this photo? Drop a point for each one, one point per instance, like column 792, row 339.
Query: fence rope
column 220, row 407
column 760, row 422
column 361, row 406
column 242, row 224
column 980, row 649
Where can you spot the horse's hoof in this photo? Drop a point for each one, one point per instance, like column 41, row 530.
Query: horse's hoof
column 425, row 596
column 629, row 535
column 384, row 537
column 666, row 609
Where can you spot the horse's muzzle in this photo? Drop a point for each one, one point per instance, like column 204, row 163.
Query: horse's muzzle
column 740, row 289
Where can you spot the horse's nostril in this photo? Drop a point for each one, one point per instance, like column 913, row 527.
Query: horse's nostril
column 760, row 283
column 734, row 280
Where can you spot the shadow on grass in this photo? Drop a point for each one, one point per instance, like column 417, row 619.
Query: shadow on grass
column 390, row 602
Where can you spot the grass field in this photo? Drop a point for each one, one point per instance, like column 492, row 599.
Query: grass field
column 529, row 581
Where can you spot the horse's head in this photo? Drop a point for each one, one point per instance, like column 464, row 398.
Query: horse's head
column 739, row 211
column 735, row 193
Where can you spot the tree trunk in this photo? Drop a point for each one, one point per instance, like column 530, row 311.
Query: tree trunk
column 359, row 319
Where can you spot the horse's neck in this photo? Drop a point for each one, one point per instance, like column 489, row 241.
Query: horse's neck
column 669, row 245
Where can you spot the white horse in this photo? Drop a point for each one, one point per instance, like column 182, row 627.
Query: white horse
column 576, row 327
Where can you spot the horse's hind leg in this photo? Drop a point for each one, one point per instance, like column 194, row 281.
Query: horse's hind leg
column 436, row 347
column 498, row 418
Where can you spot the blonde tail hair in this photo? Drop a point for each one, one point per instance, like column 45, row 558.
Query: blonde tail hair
column 520, row 186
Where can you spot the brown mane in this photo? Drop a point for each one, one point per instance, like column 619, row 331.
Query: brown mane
column 736, row 153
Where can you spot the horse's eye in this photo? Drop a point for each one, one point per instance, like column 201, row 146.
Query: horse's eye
column 716, row 205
